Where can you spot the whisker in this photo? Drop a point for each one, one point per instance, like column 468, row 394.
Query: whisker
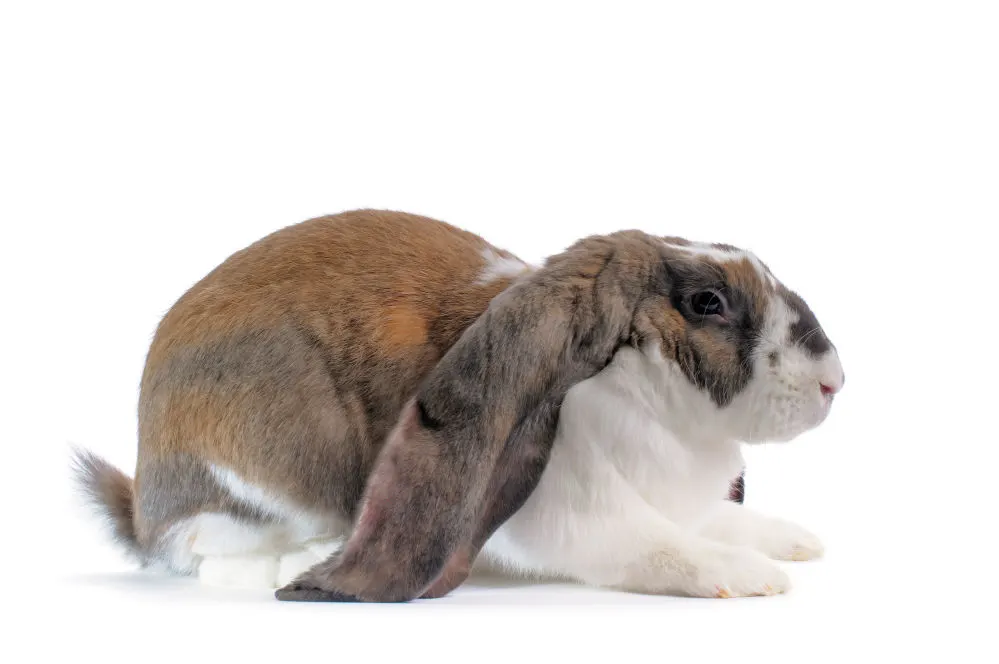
column 809, row 334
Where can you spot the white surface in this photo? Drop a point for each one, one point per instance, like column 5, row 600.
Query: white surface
column 851, row 145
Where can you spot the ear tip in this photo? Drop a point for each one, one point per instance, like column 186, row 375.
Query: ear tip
column 297, row 593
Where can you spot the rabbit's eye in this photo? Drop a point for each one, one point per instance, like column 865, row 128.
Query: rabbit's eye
column 708, row 303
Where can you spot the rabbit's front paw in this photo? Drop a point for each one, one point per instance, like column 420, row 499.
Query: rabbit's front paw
column 783, row 540
column 730, row 571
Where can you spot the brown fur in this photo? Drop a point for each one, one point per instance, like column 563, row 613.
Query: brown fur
column 290, row 362
column 742, row 275
column 110, row 491
column 353, row 365
column 402, row 328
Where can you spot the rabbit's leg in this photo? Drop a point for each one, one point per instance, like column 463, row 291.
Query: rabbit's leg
column 262, row 556
column 620, row 541
column 260, row 553
column 250, row 572
column 261, row 570
column 203, row 520
column 779, row 539
column 654, row 555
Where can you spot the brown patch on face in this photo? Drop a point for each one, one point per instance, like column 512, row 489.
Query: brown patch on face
column 673, row 329
column 401, row 327
column 658, row 321
column 718, row 351
column 742, row 275
column 714, row 354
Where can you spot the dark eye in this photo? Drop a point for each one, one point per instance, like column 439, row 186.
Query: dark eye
column 708, row 303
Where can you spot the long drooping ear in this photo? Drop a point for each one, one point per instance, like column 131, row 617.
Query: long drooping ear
column 470, row 446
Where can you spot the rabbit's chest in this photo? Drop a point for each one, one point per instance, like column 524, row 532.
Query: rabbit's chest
column 682, row 481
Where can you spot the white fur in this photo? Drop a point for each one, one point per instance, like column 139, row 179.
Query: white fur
column 784, row 400
column 267, row 569
column 500, row 267
column 293, row 564
column 778, row 539
column 706, row 250
column 633, row 496
column 175, row 552
column 727, row 255
column 224, row 551
column 220, row 535
column 234, row 571
column 300, row 523
column 628, row 486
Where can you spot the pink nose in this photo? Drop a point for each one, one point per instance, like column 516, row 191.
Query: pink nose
column 827, row 390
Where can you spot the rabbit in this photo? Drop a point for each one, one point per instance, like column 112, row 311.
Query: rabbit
column 364, row 407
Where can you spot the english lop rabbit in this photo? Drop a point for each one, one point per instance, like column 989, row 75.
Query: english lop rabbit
column 365, row 406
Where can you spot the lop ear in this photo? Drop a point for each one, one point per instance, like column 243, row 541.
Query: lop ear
column 471, row 445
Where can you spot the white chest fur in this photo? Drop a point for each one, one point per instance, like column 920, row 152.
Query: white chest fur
column 626, row 450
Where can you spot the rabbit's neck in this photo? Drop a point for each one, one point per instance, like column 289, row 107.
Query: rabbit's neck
column 642, row 420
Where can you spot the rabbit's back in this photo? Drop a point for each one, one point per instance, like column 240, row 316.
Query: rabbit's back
column 272, row 383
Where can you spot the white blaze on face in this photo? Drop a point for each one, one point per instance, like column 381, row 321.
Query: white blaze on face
column 708, row 251
column 723, row 255
column 765, row 274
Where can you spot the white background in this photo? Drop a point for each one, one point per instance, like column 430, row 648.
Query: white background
column 852, row 145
